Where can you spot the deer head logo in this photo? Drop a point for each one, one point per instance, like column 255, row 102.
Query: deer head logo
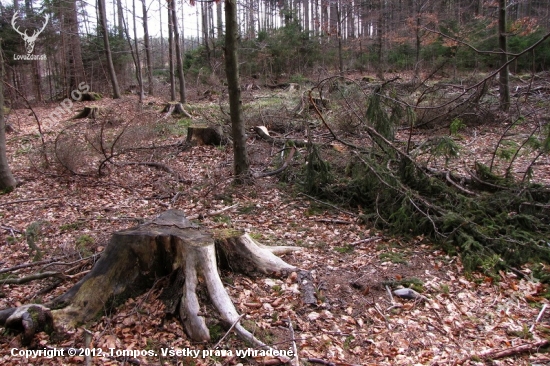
column 29, row 40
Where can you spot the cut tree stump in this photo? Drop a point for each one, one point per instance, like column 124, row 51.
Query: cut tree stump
column 206, row 135
column 90, row 97
column 88, row 112
column 175, row 108
column 168, row 246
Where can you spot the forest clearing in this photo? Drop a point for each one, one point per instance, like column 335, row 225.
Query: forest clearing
column 299, row 183
column 59, row 220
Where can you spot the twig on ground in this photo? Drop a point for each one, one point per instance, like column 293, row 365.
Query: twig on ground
column 10, row 229
column 365, row 241
column 538, row 317
column 228, row 331
column 328, row 204
column 211, row 213
column 27, row 265
column 33, row 277
column 296, row 360
column 507, row 352
column 28, row 200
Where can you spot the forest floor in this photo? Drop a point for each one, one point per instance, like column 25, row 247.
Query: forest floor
column 465, row 318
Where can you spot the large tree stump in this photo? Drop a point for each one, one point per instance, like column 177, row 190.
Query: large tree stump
column 169, row 245
column 88, row 112
column 206, row 135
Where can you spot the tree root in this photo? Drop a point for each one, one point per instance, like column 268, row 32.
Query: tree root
column 136, row 257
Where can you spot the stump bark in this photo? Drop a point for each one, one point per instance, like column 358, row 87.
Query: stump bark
column 90, row 97
column 88, row 112
column 167, row 246
column 206, row 135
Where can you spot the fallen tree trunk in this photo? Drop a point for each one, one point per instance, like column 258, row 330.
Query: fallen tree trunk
column 167, row 245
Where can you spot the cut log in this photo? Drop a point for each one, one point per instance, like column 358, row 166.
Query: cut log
column 168, row 246
column 88, row 112
column 206, row 135
column 175, row 108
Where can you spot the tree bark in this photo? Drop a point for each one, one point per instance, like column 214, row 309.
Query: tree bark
column 7, row 181
column 179, row 61
column 74, row 67
column 168, row 246
column 110, row 66
column 504, row 84
column 241, row 163
column 171, row 55
column 147, row 46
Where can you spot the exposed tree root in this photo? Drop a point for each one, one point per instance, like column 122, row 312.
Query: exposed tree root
column 136, row 257
column 175, row 108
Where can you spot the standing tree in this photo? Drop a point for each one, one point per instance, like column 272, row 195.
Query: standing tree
column 504, row 87
column 171, row 54
column 7, row 181
column 105, row 33
column 241, row 164
column 179, row 61
column 73, row 56
column 147, row 46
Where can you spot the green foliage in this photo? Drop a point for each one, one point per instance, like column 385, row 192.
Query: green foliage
column 402, row 56
column 456, row 125
column 317, row 172
column 344, row 249
column 287, row 50
column 393, row 257
column 33, row 234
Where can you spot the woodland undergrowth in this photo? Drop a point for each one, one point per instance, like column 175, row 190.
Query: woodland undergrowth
column 494, row 219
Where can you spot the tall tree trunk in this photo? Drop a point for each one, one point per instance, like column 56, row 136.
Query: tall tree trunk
column 139, row 74
column 504, row 86
column 241, row 164
column 7, row 181
column 147, row 45
column 204, row 27
column 74, row 67
column 219, row 19
column 120, row 18
column 108, row 56
column 179, row 61
column 306, row 18
column 171, row 55
column 161, row 35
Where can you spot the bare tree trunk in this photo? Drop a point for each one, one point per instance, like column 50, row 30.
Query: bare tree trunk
column 171, row 55
column 205, row 37
column 179, row 61
column 139, row 74
column 241, row 164
column 161, row 35
column 504, row 86
column 7, row 181
column 73, row 63
column 306, row 18
column 110, row 66
column 219, row 19
column 147, row 46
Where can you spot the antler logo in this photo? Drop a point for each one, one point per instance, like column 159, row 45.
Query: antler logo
column 29, row 40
